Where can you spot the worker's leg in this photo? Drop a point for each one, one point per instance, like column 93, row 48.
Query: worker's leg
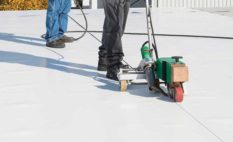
column 102, row 63
column 116, row 12
column 52, row 21
column 63, row 16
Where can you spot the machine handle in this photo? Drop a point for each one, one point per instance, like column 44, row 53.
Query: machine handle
column 177, row 58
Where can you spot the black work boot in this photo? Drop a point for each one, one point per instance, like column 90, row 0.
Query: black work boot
column 67, row 39
column 102, row 64
column 56, row 44
column 112, row 72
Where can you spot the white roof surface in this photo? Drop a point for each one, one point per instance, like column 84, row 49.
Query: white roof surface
column 56, row 95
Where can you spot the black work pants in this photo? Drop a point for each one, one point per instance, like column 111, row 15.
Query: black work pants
column 116, row 12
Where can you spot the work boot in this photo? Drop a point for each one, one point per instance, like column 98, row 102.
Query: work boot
column 102, row 64
column 67, row 39
column 101, row 67
column 56, row 44
column 112, row 72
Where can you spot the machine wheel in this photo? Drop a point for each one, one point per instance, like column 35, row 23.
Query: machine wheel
column 123, row 85
column 178, row 94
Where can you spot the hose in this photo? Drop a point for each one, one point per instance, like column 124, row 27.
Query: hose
column 86, row 23
column 168, row 35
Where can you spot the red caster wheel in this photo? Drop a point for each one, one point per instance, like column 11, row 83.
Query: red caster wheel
column 178, row 94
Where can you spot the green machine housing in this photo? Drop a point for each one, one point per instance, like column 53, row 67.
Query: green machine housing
column 171, row 70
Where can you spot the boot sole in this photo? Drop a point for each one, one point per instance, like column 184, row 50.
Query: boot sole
column 56, row 47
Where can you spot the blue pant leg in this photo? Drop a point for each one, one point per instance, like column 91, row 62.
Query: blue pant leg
column 52, row 20
column 65, row 9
